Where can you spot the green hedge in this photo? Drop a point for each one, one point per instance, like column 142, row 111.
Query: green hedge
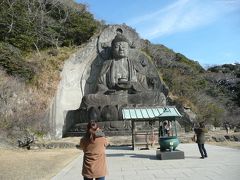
column 11, row 60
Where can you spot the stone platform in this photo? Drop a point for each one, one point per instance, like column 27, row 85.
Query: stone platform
column 124, row 163
column 166, row 155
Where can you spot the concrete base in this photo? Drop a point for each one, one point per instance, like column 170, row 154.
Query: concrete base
column 165, row 155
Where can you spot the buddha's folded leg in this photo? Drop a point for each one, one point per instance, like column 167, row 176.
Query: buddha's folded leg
column 147, row 98
column 96, row 100
column 101, row 100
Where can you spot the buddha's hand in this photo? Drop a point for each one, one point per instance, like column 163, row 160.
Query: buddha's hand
column 125, row 85
column 110, row 91
column 122, row 80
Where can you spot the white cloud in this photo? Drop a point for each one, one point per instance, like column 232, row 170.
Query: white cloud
column 181, row 16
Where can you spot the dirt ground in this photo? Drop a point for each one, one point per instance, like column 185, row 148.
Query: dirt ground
column 34, row 164
column 235, row 145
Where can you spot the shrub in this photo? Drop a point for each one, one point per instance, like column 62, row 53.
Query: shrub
column 36, row 24
column 13, row 63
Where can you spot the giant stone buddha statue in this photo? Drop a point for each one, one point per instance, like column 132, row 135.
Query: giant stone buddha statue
column 124, row 81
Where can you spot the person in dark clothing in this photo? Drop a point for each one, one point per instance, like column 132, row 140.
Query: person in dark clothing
column 167, row 128
column 200, row 133
column 227, row 127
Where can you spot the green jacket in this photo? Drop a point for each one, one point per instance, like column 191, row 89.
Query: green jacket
column 200, row 132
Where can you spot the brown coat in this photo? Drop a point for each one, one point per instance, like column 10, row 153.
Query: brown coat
column 94, row 161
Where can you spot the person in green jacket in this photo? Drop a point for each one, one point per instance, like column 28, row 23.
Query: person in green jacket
column 200, row 133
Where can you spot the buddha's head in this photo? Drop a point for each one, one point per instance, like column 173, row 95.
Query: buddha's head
column 120, row 46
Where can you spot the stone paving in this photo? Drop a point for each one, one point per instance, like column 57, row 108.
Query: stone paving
column 125, row 164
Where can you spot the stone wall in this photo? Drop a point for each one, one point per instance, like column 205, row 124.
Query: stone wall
column 71, row 87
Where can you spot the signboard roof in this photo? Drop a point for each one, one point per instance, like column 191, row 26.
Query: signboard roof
column 146, row 113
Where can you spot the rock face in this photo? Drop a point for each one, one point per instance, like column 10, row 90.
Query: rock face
column 80, row 81
column 71, row 88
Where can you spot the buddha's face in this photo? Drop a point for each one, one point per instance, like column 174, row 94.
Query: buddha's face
column 120, row 49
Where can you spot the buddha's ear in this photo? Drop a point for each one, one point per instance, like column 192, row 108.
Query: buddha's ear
column 132, row 45
column 143, row 62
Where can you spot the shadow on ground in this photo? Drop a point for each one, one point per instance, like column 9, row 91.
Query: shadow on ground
column 133, row 155
column 122, row 147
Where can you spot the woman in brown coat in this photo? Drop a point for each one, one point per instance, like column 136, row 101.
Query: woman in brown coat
column 93, row 145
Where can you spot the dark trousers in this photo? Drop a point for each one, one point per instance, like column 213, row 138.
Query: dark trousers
column 202, row 150
column 100, row 178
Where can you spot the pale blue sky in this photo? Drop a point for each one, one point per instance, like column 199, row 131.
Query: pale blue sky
column 207, row 31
